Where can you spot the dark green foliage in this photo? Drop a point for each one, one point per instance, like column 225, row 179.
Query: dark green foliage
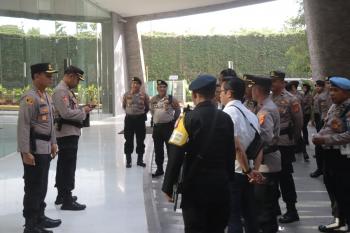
column 255, row 53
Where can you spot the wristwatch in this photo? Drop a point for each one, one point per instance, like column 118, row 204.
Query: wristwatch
column 247, row 172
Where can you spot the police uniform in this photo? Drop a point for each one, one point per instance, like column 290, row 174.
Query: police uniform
column 136, row 106
column 266, row 194
column 203, row 141
column 336, row 137
column 291, row 121
column 165, row 110
column 36, row 135
column 69, row 121
column 306, row 105
column 322, row 103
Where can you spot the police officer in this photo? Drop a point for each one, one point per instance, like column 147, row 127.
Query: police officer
column 165, row 110
column 136, row 106
column 204, row 142
column 334, row 139
column 269, row 162
column 37, row 145
column 69, row 120
column 306, row 105
column 322, row 103
column 291, row 121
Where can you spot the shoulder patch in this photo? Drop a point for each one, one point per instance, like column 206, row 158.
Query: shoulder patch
column 179, row 136
column 29, row 100
column 261, row 117
column 295, row 106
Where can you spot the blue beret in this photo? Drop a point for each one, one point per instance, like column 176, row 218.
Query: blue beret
column 340, row 82
column 203, row 82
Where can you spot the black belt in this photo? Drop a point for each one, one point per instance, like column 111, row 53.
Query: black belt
column 159, row 124
column 42, row 137
column 135, row 116
column 270, row 149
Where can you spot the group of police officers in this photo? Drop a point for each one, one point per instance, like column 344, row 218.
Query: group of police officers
column 48, row 126
column 203, row 145
column 207, row 147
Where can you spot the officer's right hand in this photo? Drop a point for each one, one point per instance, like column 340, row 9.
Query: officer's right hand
column 87, row 109
column 28, row 159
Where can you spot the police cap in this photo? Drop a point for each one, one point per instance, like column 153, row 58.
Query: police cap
column 136, row 79
column 161, row 82
column 320, row 83
column 42, row 67
column 204, row 81
column 75, row 70
column 340, row 82
column 258, row 80
column 294, row 83
column 277, row 74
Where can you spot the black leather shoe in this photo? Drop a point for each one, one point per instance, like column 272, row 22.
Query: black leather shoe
column 141, row 164
column 59, row 199
column 75, row 206
column 128, row 165
column 158, row 173
column 289, row 217
column 306, row 157
column 36, row 230
column 332, row 227
column 316, row 174
column 45, row 222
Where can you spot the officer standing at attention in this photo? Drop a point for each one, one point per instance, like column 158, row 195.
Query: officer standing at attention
column 37, row 144
column 269, row 162
column 165, row 110
column 69, row 120
column 291, row 122
column 322, row 103
column 334, row 142
column 203, row 141
column 136, row 106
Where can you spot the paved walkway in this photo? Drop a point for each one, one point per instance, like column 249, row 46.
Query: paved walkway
column 124, row 200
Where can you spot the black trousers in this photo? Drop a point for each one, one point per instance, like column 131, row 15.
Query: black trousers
column 242, row 206
column 305, row 131
column 206, row 218
column 266, row 196
column 286, row 181
column 161, row 135
column 336, row 174
column 134, row 125
column 35, row 186
column 66, row 165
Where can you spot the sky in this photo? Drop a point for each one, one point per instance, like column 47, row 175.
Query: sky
column 265, row 16
column 270, row 16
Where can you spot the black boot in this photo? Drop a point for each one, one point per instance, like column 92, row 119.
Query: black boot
column 59, row 199
column 140, row 161
column 70, row 204
column 31, row 226
column 128, row 160
column 316, row 173
column 158, row 172
column 291, row 215
column 46, row 222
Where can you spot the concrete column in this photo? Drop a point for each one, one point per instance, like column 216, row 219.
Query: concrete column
column 133, row 49
column 328, row 31
column 120, row 68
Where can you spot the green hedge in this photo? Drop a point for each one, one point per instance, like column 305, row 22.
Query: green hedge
column 17, row 49
column 255, row 53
